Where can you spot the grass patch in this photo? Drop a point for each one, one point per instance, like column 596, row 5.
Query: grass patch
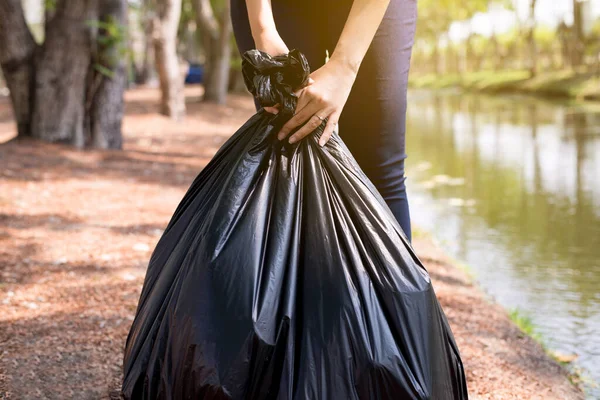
column 418, row 233
column 574, row 84
column 525, row 324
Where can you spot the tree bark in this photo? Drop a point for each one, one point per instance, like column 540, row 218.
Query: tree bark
column 63, row 63
column 17, row 54
column 166, row 23
column 578, row 40
column 216, row 90
column 531, row 40
column 144, row 71
column 217, row 47
column 105, row 100
column 436, row 58
column 54, row 94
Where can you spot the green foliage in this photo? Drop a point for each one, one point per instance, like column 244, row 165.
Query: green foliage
column 479, row 43
column 111, row 42
column 559, row 84
column 525, row 324
column 545, row 37
column 50, row 5
column 436, row 16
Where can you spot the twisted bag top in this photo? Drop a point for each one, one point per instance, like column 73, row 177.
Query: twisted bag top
column 283, row 275
column 273, row 80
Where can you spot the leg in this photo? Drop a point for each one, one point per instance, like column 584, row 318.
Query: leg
column 293, row 20
column 373, row 122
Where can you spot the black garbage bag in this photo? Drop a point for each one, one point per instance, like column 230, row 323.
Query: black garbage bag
column 284, row 275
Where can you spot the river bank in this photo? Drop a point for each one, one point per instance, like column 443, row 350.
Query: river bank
column 79, row 228
column 501, row 361
column 566, row 84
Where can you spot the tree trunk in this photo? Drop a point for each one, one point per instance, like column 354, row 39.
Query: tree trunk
column 105, row 99
column 167, row 62
column 236, row 81
column 468, row 61
column 63, row 63
column 55, row 96
column 578, row 42
column 17, row 54
column 217, row 47
column 436, row 57
column 145, row 70
column 496, row 55
column 531, row 40
column 216, row 89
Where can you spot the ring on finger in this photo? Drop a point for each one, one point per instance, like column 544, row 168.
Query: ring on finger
column 321, row 118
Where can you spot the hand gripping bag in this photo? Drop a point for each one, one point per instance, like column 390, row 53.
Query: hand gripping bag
column 283, row 275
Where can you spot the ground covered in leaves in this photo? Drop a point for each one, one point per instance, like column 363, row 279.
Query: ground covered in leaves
column 77, row 229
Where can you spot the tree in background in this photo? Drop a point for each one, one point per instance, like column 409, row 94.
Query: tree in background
column 530, row 35
column 434, row 20
column 69, row 88
column 529, row 47
column 216, row 34
column 142, row 42
column 165, row 23
column 578, row 47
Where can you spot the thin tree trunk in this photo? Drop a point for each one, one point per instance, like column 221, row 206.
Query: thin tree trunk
column 217, row 48
column 577, row 46
column 61, row 78
column 236, row 81
column 145, row 70
column 436, row 58
column 496, row 55
column 106, row 103
column 215, row 90
column 17, row 56
column 533, row 56
column 208, row 26
column 167, row 63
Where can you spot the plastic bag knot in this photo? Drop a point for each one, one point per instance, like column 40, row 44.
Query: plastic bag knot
column 273, row 80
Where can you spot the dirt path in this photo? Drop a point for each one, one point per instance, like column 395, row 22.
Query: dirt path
column 77, row 229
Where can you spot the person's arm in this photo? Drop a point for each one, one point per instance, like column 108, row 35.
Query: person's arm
column 327, row 93
column 329, row 86
column 265, row 35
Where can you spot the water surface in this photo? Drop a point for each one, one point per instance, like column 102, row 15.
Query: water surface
column 511, row 186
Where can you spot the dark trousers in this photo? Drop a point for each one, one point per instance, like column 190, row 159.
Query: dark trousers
column 373, row 122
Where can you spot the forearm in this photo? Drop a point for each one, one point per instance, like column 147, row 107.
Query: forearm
column 260, row 15
column 262, row 24
column 358, row 33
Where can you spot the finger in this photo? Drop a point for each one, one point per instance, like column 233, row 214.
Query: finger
column 303, row 100
column 329, row 128
column 301, row 117
column 272, row 110
column 312, row 124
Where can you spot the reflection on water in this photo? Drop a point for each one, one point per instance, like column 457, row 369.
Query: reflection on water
column 512, row 187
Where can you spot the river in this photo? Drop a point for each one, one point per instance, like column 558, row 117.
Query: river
column 510, row 185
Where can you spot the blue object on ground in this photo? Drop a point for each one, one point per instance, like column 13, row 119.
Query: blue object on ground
column 195, row 74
